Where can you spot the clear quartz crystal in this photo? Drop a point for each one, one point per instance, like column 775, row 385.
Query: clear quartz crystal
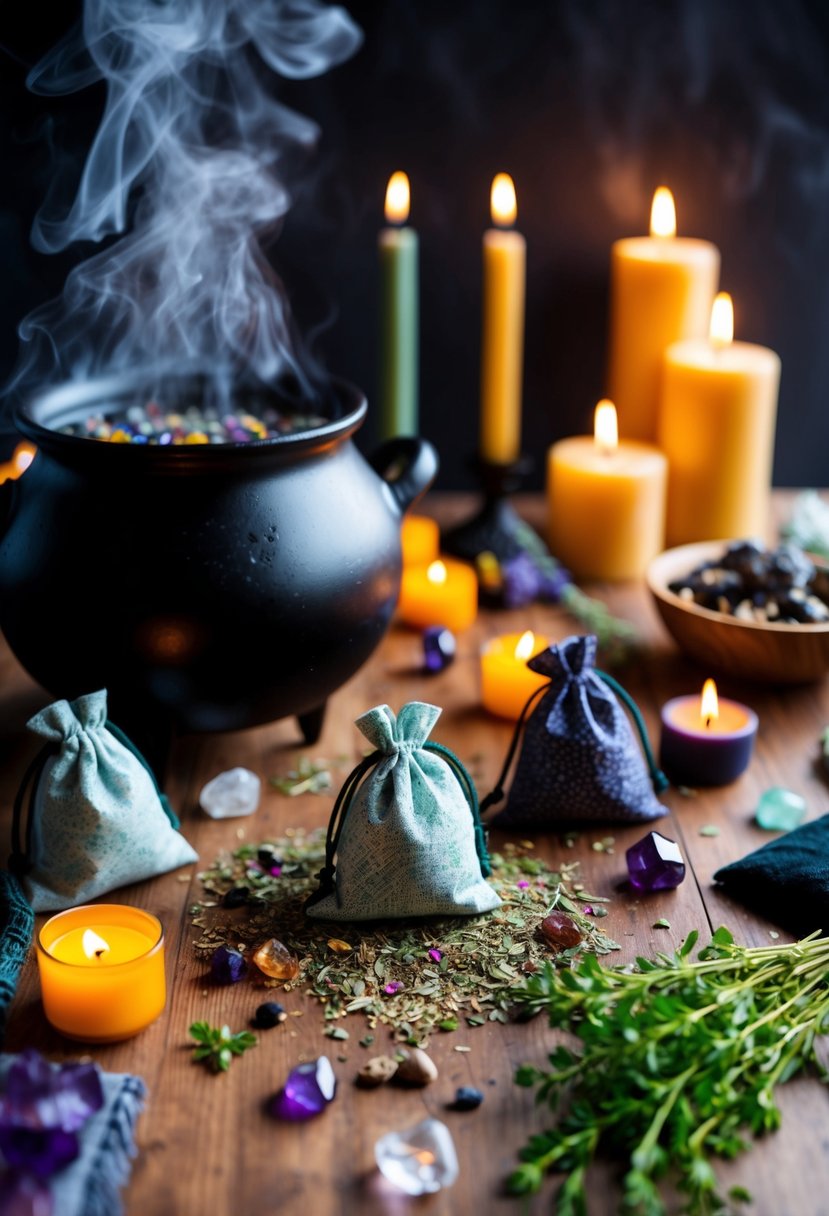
column 231, row 794
column 420, row 1160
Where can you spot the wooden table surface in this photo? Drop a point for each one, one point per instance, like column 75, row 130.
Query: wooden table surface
column 206, row 1146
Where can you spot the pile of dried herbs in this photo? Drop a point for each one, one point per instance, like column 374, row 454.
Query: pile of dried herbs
column 413, row 976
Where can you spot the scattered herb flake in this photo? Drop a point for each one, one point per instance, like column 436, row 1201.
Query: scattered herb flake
column 662, row 923
column 710, row 829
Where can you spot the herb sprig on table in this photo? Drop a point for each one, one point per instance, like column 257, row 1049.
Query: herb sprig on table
column 679, row 1060
column 217, row 1045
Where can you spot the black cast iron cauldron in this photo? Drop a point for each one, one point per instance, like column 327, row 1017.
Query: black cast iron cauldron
column 206, row 587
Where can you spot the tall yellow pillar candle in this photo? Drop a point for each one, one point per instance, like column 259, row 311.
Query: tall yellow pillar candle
column 716, row 426
column 102, row 971
column 502, row 339
column 606, row 501
column 661, row 291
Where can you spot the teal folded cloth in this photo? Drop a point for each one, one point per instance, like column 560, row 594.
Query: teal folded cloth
column 16, row 926
column 786, row 880
column 91, row 1184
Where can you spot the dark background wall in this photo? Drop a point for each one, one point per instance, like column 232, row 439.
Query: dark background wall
column 589, row 104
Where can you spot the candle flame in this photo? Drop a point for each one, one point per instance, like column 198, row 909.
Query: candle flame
column 93, row 945
column 502, row 200
column 436, row 573
column 398, row 198
column 23, row 456
column 606, row 428
column 709, row 707
column 524, row 647
column 722, row 321
column 663, row 213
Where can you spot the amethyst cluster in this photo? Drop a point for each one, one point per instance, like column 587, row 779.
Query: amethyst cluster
column 42, row 1111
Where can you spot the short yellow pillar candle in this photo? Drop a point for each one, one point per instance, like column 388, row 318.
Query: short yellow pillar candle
column 606, row 501
column 102, row 971
column 661, row 289
column 716, row 426
column 443, row 593
column 506, row 680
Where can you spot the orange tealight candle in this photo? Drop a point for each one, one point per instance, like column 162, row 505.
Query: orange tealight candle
column 706, row 740
column 506, row 680
column 102, row 971
column 443, row 593
column 419, row 540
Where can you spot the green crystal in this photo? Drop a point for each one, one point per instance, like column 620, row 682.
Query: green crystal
column 780, row 810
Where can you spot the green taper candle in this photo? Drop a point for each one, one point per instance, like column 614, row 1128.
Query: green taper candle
column 399, row 304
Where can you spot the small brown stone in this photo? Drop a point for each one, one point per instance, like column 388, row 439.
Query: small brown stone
column 560, row 931
column 376, row 1071
column 416, row 1068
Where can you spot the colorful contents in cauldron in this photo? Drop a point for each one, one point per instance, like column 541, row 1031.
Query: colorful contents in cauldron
column 152, row 424
column 781, row 586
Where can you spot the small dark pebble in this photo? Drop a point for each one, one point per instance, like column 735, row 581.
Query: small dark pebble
column 467, row 1098
column 235, row 897
column 268, row 1015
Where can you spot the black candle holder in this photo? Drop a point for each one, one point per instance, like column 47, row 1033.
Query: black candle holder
column 496, row 527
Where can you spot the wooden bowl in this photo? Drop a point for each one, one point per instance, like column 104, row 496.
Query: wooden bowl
column 752, row 650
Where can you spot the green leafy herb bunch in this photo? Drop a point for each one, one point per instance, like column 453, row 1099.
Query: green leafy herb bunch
column 678, row 1063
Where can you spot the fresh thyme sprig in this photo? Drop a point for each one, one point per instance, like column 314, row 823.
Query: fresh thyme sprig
column 217, row 1046
column 679, row 1059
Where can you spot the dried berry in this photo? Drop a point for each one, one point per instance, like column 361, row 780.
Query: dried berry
column 560, row 931
column 235, row 897
column 268, row 1015
column 467, row 1098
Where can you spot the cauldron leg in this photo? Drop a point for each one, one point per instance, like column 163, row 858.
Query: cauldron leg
column 149, row 730
column 311, row 723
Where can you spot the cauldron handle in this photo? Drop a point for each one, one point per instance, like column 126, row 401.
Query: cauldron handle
column 6, row 500
column 408, row 465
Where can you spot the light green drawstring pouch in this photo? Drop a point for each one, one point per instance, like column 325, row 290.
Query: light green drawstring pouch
column 96, row 818
column 405, row 838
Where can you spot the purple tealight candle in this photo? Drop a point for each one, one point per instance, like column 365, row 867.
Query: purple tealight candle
column 706, row 741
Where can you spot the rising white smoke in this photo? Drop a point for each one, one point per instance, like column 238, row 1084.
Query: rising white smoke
column 188, row 162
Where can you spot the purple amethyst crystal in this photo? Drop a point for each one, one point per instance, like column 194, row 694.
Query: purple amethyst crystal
column 40, row 1151
column 41, row 1110
column 37, row 1095
column 21, row 1195
column 438, row 648
column 227, row 966
column 308, row 1090
column 655, row 863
